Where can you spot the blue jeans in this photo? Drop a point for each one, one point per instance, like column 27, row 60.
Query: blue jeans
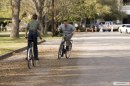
column 32, row 37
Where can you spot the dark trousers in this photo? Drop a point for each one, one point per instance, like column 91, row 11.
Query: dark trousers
column 32, row 37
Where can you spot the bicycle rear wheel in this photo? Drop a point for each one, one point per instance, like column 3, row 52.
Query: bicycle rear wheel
column 29, row 58
column 60, row 52
column 68, row 52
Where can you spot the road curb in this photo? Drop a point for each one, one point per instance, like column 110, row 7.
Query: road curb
column 16, row 51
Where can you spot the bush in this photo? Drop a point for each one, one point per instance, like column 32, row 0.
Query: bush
column 82, row 29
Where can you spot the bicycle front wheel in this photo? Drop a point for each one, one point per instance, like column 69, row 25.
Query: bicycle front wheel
column 61, row 52
column 29, row 58
column 68, row 52
column 33, row 60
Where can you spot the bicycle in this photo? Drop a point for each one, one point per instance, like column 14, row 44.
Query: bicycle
column 30, row 56
column 63, row 50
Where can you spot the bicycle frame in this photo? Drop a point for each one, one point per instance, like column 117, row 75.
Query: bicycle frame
column 64, row 41
column 63, row 48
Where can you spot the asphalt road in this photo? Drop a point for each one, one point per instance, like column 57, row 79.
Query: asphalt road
column 98, row 59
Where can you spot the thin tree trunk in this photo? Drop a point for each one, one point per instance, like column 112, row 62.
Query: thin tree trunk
column 15, row 18
column 53, row 18
column 46, row 17
column 46, row 23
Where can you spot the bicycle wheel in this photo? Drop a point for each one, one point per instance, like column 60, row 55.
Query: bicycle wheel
column 33, row 62
column 33, row 59
column 61, row 52
column 29, row 58
column 68, row 52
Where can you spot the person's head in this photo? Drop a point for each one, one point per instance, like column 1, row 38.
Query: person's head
column 65, row 22
column 34, row 16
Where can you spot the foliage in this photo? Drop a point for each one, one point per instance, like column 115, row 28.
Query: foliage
column 5, row 9
column 68, row 9
column 72, row 10
column 114, row 9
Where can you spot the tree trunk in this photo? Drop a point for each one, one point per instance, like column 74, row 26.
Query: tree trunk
column 40, row 21
column 53, row 18
column 15, row 18
column 46, row 23
column 46, row 17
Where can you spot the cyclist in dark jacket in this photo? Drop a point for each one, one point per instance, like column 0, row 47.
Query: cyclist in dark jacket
column 33, row 29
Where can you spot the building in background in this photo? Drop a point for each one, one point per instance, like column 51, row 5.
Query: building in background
column 125, row 7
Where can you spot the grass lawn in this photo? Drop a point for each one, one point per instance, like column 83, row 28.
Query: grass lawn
column 8, row 44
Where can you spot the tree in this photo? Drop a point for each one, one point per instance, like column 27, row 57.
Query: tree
column 115, row 12
column 80, row 9
column 15, row 18
column 46, row 11
column 5, row 11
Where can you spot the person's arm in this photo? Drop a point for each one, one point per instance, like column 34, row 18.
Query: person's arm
column 26, row 30
column 59, row 28
column 39, row 31
column 73, row 29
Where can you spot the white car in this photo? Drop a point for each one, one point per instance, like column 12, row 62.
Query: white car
column 109, row 26
column 125, row 28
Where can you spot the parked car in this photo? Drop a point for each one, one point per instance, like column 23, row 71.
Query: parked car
column 109, row 26
column 125, row 28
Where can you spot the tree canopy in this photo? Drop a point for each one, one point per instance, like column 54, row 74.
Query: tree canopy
column 5, row 9
column 73, row 10
column 69, row 9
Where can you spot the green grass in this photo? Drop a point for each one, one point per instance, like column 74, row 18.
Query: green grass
column 7, row 34
column 8, row 44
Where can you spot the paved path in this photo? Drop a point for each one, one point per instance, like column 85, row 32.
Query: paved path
column 98, row 59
